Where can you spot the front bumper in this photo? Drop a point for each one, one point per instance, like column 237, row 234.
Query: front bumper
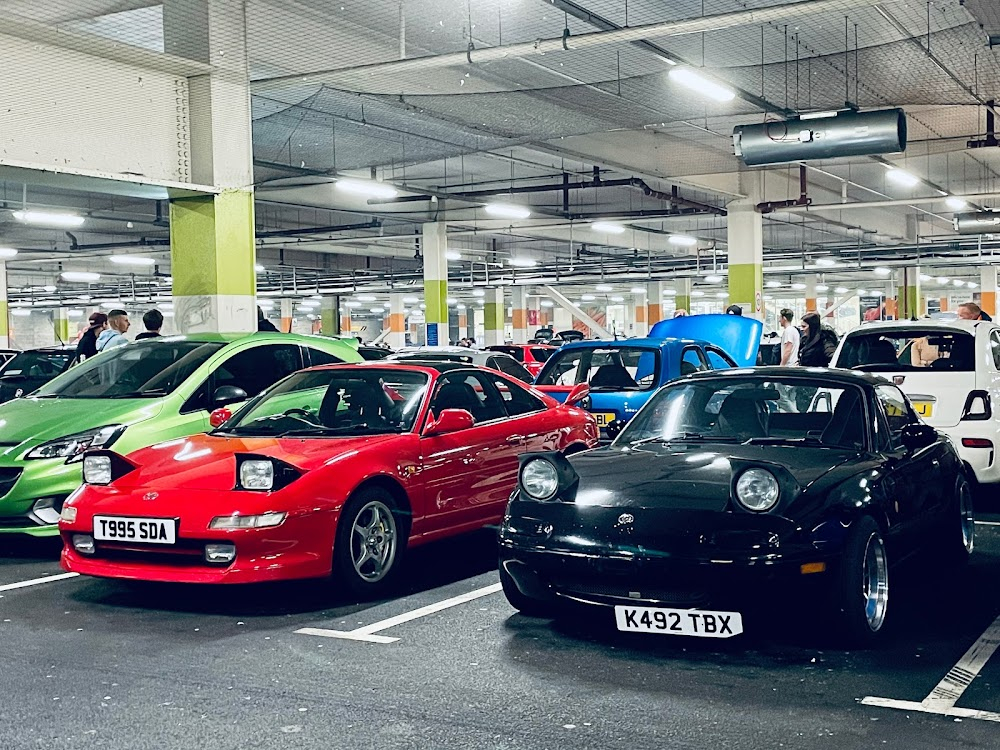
column 24, row 483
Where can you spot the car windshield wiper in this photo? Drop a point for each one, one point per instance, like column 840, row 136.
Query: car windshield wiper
column 780, row 441
column 151, row 393
column 685, row 436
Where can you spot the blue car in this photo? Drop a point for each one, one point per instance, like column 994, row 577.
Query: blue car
column 623, row 374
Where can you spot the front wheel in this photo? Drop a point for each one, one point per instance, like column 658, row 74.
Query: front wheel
column 368, row 547
column 861, row 586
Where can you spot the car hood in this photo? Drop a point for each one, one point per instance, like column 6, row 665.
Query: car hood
column 737, row 336
column 690, row 476
column 208, row 462
column 26, row 421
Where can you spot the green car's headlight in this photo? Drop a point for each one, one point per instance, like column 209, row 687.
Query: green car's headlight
column 72, row 447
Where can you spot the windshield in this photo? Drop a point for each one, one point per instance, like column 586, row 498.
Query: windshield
column 147, row 369
column 331, row 403
column 752, row 410
column 622, row 368
column 516, row 352
column 909, row 350
column 36, row 364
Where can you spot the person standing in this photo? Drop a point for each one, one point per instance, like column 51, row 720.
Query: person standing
column 734, row 310
column 263, row 324
column 153, row 322
column 114, row 334
column 972, row 311
column 680, row 313
column 789, row 338
column 816, row 348
column 87, row 345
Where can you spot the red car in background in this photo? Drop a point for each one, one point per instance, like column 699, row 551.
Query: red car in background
column 334, row 469
column 532, row 356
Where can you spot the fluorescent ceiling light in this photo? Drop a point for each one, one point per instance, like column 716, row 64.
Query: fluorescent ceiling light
column 386, row 305
column 697, row 293
column 74, row 314
column 942, row 279
column 971, row 284
column 49, row 288
column 722, row 295
column 882, row 271
column 587, row 297
column 902, row 177
column 349, row 303
column 683, row 240
column 822, row 288
column 523, row 262
column 955, row 204
column 366, row 188
column 713, row 279
column 604, row 288
column 453, row 255
column 772, row 284
column 798, row 285
column 410, row 300
column 669, row 292
column 818, row 115
column 507, row 211
column 924, row 277
column 80, row 276
column 547, row 303
column 478, row 293
column 840, row 290
column 377, row 310
column 50, row 218
column 637, row 290
column 617, row 299
column 257, row 267
column 958, row 282
column 367, row 297
column 7, row 252
column 460, row 306
column 21, row 313
column 828, row 262
column 132, row 260
column 607, row 227
column 451, row 301
column 702, row 84
column 862, row 292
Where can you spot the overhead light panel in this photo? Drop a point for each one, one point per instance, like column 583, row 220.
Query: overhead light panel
column 702, row 84
column 826, row 262
column 840, row 290
column 956, row 204
column 713, row 279
column 411, row 300
column 478, row 293
column 547, row 303
column 958, row 282
column 604, row 288
column 49, row 218
column 722, row 295
column 637, row 290
column 258, row 268
column 7, row 252
column 523, row 262
column 587, row 297
column 772, row 284
column 669, row 292
column 80, row 276
column 367, row 297
column 902, row 177
column 377, row 310
column 971, row 284
column 453, row 255
column 507, row 211
column 366, row 188
column 799, row 286
column 697, row 293
column 683, row 240
column 924, row 277
column 349, row 303
column 942, row 279
column 882, row 271
column 607, row 227
column 132, row 260
column 21, row 313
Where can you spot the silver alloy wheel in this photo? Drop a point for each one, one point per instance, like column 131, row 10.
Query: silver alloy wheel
column 968, row 517
column 875, row 583
column 373, row 541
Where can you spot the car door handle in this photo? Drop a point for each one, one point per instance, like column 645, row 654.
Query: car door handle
column 515, row 439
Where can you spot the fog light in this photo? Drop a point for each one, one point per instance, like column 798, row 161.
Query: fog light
column 220, row 553
column 83, row 543
column 44, row 511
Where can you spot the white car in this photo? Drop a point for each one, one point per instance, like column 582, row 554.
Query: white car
column 465, row 355
column 949, row 369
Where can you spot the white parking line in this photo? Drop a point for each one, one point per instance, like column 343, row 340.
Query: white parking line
column 367, row 633
column 987, row 523
column 36, row 581
column 946, row 693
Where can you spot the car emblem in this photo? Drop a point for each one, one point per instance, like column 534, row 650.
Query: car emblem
column 898, row 379
column 18, row 393
column 151, row 496
column 626, row 518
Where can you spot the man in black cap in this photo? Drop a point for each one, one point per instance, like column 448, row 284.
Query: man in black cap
column 87, row 345
column 734, row 310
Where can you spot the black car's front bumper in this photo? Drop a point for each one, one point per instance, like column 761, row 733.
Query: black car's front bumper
column 659, row 558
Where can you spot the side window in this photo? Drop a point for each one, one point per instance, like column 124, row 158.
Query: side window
column 471, row 392
column 692, row 361
column 255, row 369
column 995, row 348
column 718, row 359
column 509, row 367
column 516, row 400
column 897, row 412
column 540, row 354
column 319, row 357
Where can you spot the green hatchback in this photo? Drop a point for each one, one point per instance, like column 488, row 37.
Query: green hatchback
column 131, row 397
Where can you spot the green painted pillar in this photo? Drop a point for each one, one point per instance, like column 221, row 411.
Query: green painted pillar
column 435, row 249
column 495, row 314
column 212, row 261
column 60, row 324
column 745, row 235
column 682, row 300
column 329, row 309
column 908, row 294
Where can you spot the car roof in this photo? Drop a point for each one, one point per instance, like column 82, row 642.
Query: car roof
column 647, row 343
column 890, row 325
column 824, row 375
column 428, row 367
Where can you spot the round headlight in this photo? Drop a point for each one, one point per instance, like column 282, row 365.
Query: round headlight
column 539, row 479
column 757, row 490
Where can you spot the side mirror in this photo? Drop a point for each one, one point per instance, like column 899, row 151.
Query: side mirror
column 219, row 417
column 917, row 436
column 228, row 394
column 450, row 420
column 614, row 428
column 579, row 393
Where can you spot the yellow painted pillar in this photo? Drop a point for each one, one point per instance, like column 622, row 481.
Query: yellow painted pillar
column 745, row 235
column 908, row 294
column 4, row 309
column 329, row 316
column 682, row 300
column 60, row 325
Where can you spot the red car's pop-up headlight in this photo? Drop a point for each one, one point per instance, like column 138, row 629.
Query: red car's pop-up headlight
column 104, row 467
column 263, row 474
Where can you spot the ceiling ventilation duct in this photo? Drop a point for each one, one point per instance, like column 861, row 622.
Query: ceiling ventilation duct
column 979, row 222
column 825, row 135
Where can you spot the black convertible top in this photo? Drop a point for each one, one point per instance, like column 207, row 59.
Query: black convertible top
column 821, row 375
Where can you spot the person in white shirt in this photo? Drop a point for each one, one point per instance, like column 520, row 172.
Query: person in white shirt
column 789, row 338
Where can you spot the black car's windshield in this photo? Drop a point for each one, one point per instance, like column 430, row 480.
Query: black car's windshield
column 618, row 368
column 335, row 402
column 37, row 364
column 766, row 411
column 910, row 349
column 146, row 369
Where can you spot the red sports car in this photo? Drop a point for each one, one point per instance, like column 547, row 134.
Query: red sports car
column 532, row 356
column 335, row 469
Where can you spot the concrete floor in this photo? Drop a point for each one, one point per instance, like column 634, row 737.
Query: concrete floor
column 97, row 664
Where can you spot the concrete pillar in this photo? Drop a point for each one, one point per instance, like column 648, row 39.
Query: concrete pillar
column 640, row 304
column 682, row 300
column 60, row 325
column 494, row 313
column 397, row 322
column 435, row 249
column 463, row 322
column 329, row 315
column 988, row 290
column 287, row 315
column 654, row 303
column 519, row 314
column 745, row 236
column 4, row 308
column 943, row 304
column 908, row 294
column 212, row 236
column 811, row 294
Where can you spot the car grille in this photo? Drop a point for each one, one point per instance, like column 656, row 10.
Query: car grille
column 8, row 476
column 16, row 522
column 627, row 592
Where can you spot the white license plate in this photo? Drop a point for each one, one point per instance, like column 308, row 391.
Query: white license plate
column 143, row 530
column 693, row 622
column 604, row 418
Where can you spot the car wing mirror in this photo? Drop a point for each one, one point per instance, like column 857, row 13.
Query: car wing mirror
column 614, row 428
column 219, row 417
column 579, row 393
column 450, row 420
column 917, row 436
column 225, row 395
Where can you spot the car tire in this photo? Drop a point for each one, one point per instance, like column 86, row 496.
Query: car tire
column 861, row 585
column 960, row 529
column 524, row 604
column 369, row 544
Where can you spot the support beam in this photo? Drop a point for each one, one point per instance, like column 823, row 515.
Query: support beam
column 397, row 322
column 435, row 247
column 519, row 314
column 988, row 290
column 577, row 313
column 495, row 316
column 908, row 294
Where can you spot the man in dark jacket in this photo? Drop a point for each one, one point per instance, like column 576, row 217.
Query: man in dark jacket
column 817, row 346
column 153, row 321
column 87, row 345
column 263, row 324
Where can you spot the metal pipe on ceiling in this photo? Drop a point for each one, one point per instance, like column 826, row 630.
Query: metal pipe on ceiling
column 892, row 202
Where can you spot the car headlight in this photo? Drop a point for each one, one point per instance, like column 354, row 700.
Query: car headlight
column 757, row 490
column 539, row 479
column 68, row 514
column 73, row 446
column 97, row 469
column 256, row 474
column 262, row 521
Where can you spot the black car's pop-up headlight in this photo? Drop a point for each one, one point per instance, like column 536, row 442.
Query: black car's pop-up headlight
column 757, row 490
column 545, row 476
column 263, row 474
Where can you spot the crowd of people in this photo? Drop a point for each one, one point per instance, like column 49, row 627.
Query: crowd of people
column 107, row 331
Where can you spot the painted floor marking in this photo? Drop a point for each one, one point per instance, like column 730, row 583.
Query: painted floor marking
column 947, row 693
column 36, row 581
column 987, row 523
column 367, row 633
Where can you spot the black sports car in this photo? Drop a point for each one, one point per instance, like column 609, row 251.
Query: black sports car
column 31, row 369
column 736, row 487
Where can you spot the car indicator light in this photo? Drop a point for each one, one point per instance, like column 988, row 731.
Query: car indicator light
column 97, row 469
column 815, row 567
column 68, row 514
column 235, row 521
